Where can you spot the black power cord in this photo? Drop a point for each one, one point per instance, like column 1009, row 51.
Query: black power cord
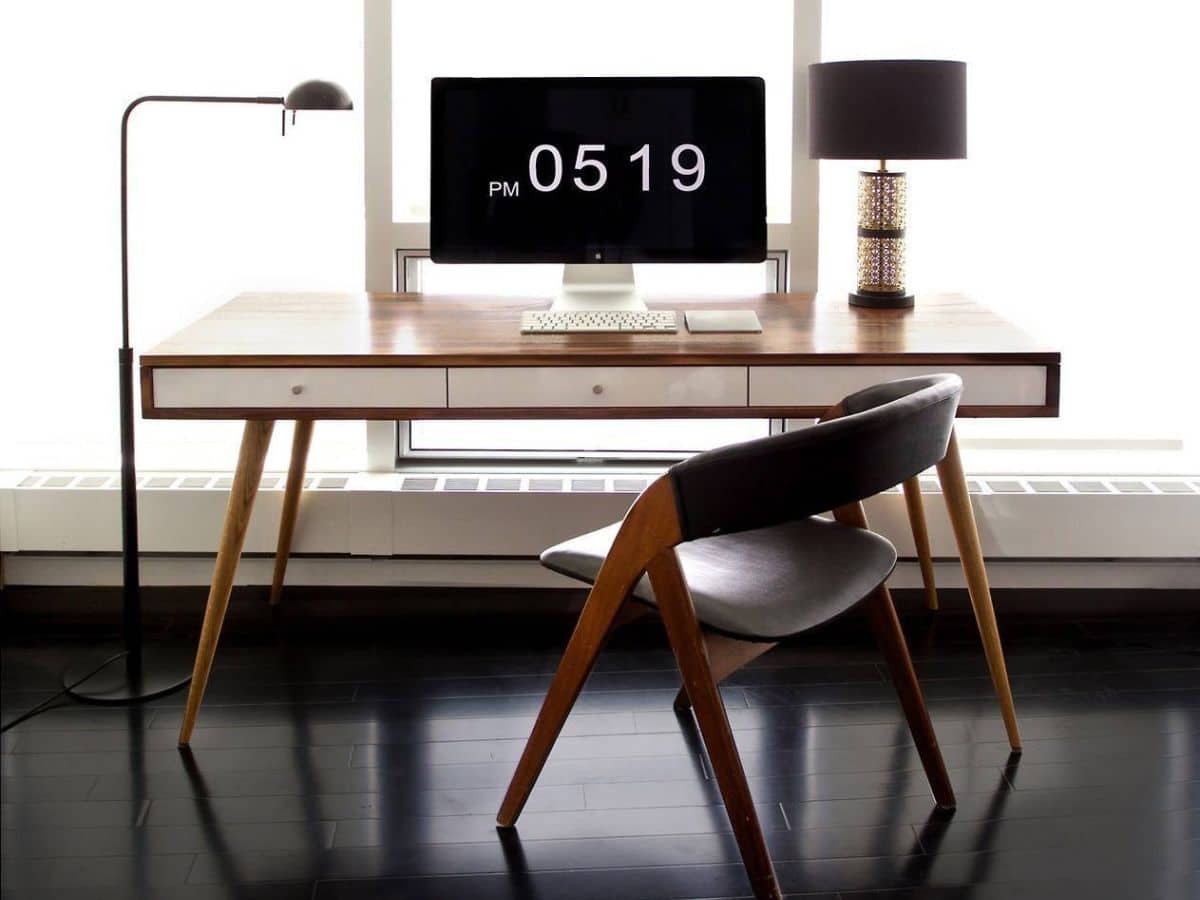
column 45, row 704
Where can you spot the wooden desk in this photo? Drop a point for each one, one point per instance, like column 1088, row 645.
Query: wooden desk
column 264, row 357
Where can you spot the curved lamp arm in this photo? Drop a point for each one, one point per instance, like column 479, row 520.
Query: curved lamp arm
column 153, row 98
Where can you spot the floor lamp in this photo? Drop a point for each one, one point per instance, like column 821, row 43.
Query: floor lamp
column 151, row 672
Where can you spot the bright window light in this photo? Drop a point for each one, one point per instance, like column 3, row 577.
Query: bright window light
column 1075, row 213
column 553, row 38
column 220, row 203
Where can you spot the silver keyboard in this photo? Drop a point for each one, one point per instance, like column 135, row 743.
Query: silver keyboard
column 655, row 321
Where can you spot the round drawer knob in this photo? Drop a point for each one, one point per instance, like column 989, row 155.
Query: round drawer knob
column 597, row 389
column 297, row 389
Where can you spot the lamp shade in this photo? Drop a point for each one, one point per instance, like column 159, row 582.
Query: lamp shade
column 887, row 109
column 318, row 95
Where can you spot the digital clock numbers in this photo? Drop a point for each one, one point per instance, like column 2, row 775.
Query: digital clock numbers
column 546, row 169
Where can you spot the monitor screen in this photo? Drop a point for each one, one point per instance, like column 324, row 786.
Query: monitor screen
column 598, row 170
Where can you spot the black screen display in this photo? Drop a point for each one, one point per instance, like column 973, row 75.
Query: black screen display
column 598, row 170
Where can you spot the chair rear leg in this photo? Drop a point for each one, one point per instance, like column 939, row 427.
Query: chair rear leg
column 687, row 642
column 595, row 622
column 886, row 625
column 920, row 533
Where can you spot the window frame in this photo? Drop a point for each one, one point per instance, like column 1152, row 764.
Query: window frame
column 389, row 243
column 408, row 279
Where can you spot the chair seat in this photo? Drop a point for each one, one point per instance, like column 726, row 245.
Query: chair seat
column 764, row 584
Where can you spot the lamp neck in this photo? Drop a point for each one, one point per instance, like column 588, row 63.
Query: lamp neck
column 883, row 165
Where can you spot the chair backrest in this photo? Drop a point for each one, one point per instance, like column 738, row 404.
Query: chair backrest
column 888, row 433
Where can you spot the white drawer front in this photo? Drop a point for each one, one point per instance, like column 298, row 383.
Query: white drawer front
column 598, row 386
column 318, row 388
column 826, row 385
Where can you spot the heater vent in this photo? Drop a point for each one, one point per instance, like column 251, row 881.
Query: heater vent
column 504, row 484
column 982, row 485
column 629, row 485
column 1046, row 486
column 419, row 484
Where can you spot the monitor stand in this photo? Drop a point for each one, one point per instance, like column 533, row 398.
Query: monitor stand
column 603, row 286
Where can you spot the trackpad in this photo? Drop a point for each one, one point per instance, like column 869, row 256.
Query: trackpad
column 717, row 320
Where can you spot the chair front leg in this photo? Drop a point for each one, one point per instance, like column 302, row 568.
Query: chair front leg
column 687, row 643
column 650, row 524
column 600, row 611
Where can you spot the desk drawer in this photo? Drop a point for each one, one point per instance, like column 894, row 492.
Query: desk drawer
column 598, row 386
column 823, row 386
column 298, row 388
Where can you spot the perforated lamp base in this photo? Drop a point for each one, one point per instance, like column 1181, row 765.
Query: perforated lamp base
column 882, row 217
column 873, row 300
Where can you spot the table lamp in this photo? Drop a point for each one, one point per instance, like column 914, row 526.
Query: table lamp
column 886, row 109
column 151, row 672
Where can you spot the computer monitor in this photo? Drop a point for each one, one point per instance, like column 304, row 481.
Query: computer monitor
column 598, row 173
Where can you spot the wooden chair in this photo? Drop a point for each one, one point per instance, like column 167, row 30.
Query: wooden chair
column 726, row 547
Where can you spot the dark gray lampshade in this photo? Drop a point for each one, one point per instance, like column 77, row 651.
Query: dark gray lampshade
column 887, row 109
column 318, row 95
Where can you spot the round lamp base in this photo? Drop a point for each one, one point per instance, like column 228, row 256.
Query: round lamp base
column 164, row 669
column 873, row 300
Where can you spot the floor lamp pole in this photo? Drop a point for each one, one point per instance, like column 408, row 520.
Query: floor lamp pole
column 153, row 672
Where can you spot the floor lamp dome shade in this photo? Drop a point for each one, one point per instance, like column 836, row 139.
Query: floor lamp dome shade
column 318, row 95
column 886, row 109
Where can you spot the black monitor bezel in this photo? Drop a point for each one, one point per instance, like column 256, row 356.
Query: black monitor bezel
column 442, row 252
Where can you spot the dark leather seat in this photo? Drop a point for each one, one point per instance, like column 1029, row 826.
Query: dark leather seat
column 764, row 584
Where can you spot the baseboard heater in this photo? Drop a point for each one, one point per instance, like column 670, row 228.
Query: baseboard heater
column 463, row 528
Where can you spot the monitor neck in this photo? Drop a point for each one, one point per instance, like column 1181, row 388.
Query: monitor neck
column 604, row 286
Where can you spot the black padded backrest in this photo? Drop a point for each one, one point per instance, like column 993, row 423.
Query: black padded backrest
column 890, row 433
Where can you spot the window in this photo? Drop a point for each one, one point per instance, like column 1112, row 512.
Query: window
column 549, row 37
column 582, row 437
column 215, row 207
column 545, row 38
column 1075, row 214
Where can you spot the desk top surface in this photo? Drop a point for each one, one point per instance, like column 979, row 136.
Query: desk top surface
column 331, row 329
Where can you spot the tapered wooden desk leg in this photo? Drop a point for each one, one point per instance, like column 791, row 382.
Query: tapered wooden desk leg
column 920, row 532
column 687, row 643
column 256, row 438
column 962, row 518
column 301, row 440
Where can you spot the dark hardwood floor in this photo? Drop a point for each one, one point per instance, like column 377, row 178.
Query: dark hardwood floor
column 336, row 765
